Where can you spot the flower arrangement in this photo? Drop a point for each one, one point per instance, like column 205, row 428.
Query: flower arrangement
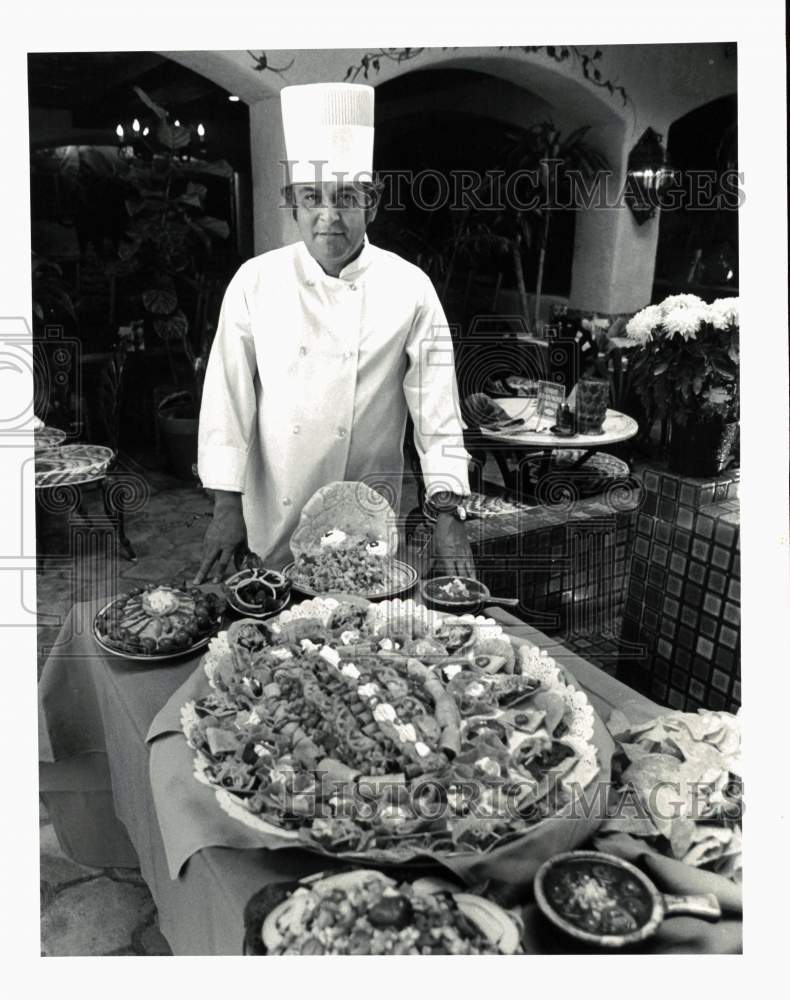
column 687, row 362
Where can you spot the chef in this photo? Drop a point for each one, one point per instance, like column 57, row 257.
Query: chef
column 322, row 349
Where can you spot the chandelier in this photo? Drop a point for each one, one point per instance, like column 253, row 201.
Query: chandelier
column 140, row 138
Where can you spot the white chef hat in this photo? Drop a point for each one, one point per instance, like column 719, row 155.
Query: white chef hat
column 328, row 132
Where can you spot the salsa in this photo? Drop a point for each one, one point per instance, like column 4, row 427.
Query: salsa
column 598, row 897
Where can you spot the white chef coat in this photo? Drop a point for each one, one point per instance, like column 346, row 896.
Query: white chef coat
column 309, row 381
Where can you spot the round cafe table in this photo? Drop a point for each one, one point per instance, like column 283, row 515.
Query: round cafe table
column 62, row 470
column 617, row 427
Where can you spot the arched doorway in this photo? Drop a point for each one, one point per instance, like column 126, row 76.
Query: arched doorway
column 698, row 243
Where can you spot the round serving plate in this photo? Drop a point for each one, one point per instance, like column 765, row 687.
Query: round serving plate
column 404, row 578
column 150, row 657
column 268, row 906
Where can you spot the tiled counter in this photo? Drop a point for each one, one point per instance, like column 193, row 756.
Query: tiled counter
column 683, row 593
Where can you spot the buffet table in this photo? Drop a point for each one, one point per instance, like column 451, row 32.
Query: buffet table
column 95, row 714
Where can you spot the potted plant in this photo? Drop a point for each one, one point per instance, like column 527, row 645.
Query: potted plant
column 686, row 370
column 164, row 259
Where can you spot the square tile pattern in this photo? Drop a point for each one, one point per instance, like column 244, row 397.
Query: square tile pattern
column 682, row 600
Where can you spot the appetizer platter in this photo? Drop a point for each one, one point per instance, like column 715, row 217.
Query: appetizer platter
column 365, row 912
column 158, row 622
column 345, row 543
column 388, row 731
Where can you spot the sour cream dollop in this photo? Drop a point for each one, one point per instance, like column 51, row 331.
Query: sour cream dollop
column 332, row 538
column 377, row 548
column 384, row 713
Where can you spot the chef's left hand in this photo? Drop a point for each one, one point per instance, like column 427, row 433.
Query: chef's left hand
column 452, row 552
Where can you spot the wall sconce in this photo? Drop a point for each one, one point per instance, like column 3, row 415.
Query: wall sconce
column 648, row 173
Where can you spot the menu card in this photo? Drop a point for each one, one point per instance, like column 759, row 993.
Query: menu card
column 550, row 395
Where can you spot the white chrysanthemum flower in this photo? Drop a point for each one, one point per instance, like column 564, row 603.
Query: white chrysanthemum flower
column 684, row 320
column 724, row 313
column 641, row 326
column 672, row 302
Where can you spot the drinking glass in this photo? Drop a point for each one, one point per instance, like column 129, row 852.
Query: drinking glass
column 592, row 396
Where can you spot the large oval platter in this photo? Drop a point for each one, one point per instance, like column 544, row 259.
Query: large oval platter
column 552, row 724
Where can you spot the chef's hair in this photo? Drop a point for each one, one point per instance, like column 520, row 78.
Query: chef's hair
column 373, row 189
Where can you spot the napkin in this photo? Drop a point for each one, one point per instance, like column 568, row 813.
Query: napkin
column 481, row 411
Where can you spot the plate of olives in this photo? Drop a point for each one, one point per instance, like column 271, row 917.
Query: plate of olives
column 159, row 622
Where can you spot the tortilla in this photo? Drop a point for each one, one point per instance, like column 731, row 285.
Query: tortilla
column 347, row 506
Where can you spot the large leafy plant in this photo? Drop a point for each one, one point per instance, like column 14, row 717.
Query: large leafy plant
column 169, row 236
column 687, row 363
column 548, row 162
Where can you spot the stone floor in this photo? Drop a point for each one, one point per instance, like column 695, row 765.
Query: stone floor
column 93, row 911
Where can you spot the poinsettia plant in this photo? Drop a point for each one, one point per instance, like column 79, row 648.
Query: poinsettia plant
column 169, row 236
column 687, row 363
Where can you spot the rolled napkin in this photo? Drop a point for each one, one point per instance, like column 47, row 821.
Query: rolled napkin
column 481, row 411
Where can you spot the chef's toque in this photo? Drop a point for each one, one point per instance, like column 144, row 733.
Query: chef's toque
column 328, row 132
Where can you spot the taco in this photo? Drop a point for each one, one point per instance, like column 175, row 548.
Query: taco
column 345, row 508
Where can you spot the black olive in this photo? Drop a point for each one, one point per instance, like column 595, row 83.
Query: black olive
column 248, row 755
column 391, row 911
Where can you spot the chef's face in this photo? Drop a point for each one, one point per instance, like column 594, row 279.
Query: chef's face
column 332, row 219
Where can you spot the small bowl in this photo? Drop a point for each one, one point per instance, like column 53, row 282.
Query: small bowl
column 433, row 597
column 277, row 585
column 648, row 906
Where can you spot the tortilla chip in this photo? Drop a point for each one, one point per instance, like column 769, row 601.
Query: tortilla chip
column 618, row 723
column 702, row 853
column 553, row 705
column 683, row 835
column 348, row 506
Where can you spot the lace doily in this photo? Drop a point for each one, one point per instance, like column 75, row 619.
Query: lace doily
column 189, row 721
column 536, row 663
column 586, row 767
column 217, row 649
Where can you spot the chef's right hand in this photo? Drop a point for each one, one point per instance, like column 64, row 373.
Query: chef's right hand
column 226, row 535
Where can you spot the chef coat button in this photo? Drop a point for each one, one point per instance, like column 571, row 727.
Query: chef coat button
column 348, row 355
column 287, row 501
column 341, row 432
column 309, row 282
column 296, row 428
column 302, row 350
column 353, row 286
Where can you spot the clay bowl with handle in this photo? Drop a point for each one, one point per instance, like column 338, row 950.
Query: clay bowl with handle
column 574, row 891
column 480, row 596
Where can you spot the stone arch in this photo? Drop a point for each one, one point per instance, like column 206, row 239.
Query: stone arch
column 613, row 258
